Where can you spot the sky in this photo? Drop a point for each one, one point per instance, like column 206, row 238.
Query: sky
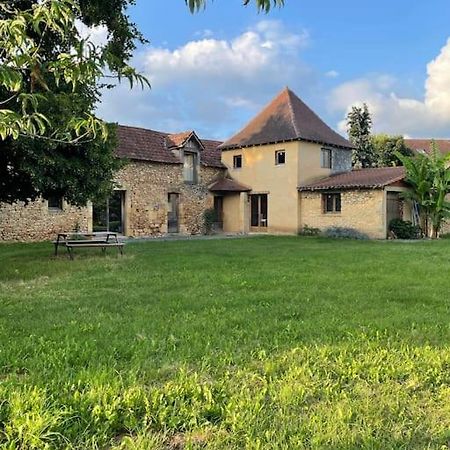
column 214, row 70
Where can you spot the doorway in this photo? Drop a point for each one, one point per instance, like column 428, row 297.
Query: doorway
column 173, row 225
column 258, row 215
column 218, row 208
column 108, row 215
column 394, row 207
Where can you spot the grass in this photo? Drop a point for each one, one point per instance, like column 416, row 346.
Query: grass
column 262, row 343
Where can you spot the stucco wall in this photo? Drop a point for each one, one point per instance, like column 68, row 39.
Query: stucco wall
column 260, row 172
column 363, row 210
column 34, row 222
column 146, row 205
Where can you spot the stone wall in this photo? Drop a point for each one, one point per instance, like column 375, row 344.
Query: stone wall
column 147, row 186
column 362, row 210
column 35, row 222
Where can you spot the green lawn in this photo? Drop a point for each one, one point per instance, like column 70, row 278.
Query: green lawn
column 261, row 343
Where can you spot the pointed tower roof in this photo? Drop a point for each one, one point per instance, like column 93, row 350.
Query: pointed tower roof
column 286, row 118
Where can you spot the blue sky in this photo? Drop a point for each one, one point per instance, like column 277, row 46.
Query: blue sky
column 212, row 71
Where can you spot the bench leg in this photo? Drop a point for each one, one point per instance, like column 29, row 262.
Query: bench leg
column 70, row 251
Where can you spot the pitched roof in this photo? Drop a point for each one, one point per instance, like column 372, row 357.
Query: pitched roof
column 228, row 185
column 286, row 118
column 155, row 146
column 424, row 145
column 359, row 179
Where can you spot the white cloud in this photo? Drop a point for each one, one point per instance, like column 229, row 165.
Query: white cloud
column 97, row 35
column 393, row 113
column 332, row 74
column 210, row 84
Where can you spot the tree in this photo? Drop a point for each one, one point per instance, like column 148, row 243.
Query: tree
column 429, row 177
column 51, row 143
column 359, row 126
column 262, row 5
column 50, row 81
column 43, row 55
column 387, row 147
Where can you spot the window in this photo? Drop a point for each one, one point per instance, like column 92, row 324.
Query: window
column 190, row 167
column 331, row 203
column 237, row 161
column 280, row 157
column 55, row 203
column 327, row 159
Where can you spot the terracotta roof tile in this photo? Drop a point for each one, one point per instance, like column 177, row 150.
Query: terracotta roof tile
column 149, row 145
column 286, row 118
column 228, row 185
column 424, row 145
column 178, row 139
column 358, row 179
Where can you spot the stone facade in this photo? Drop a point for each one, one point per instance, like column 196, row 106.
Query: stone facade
column 147, row 186
column 342, row 160
column 36, row 222
column 363, row 210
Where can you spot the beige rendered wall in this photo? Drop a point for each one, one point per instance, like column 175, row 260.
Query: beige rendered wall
column 234, row 213
column 309, row 163
column 260, row 172
column 363, row 210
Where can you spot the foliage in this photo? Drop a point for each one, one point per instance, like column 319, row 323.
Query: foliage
column 209, row 220
column 429, row 177
column 213, row 344
column 359, row 126
column 309, row 231
column 344, row 233
column 262, row 5
column 404, row 229
column 387, row 147
column 32, row 168
column 51, row 142
column 44, row 58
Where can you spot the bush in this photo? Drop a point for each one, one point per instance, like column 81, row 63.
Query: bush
column 309, row 231
column 209, row 219
column 404, row 229
column 344, row 233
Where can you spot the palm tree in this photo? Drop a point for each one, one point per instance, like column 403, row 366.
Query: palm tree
column 262, row 5
column 429, row 178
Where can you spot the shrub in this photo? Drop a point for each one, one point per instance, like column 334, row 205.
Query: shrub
column 404, row 229
column 209, row 219
column 309, row 231
column 344, row 233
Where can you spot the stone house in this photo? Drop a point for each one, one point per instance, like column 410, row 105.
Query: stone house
column 162, row 189
column 284, row 170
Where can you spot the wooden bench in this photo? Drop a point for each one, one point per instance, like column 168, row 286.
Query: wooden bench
column 87, row 240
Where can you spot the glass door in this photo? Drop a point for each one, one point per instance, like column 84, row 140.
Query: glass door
column 108, row 215
column 258, row 215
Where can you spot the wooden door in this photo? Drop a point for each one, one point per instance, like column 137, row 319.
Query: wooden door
column 173, row 225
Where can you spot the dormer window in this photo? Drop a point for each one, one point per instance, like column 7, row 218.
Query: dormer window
column 327, row 158
column 190, row 163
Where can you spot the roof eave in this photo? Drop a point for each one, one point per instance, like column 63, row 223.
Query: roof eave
column 225, row 147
